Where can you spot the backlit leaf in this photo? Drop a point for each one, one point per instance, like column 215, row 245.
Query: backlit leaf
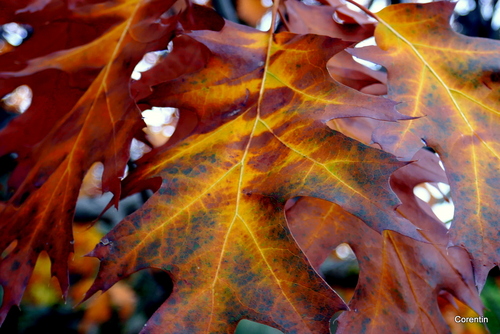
column 217, row 222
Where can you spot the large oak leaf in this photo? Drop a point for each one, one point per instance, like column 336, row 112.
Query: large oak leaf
column 453, row 81
column 217, row 222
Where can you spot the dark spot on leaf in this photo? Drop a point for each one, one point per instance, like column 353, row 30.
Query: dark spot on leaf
column 173, row 171
column 167, row 191
column 15, row 265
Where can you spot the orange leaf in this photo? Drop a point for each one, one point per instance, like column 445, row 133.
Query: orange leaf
column 217, row 222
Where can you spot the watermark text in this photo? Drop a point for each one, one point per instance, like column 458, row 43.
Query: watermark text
column 481, row 320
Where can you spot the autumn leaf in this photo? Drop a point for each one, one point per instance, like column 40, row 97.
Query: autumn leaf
column 302, row 18
column 347, row 71
column 400, row 278
column 254, row 188
column 287, row 80
column 81, row 113
column 342, row 67
column 217, row 222
column 424, row 168
column 451, row 81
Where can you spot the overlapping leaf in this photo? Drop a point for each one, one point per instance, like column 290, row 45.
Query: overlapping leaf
column 303, row 19
column 81, row 113
column 320, row 20
column 400, row 278
column 425, row 168
column 343, row 68
column 453, row 81
column 217, row 222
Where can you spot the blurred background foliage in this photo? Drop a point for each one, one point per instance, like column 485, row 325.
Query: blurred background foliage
column 128, row 304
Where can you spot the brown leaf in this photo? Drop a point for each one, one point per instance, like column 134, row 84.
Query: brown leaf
column 425, row 168
column 306, row 19
column 400, row 278
column 347, row 71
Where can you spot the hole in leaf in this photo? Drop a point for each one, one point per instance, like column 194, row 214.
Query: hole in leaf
column 149, row 60
column 251, row 327
column 138, row 149
column 10, row 248
column 19, row 100
column 341, row 271
column 445, row 212
column 438, row 197
column 161, row 124
column 14, row 33
column 434, row 197
column 344, row 252
column 422, row 192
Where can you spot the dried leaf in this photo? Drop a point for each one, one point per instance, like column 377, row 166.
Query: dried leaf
column 306, row 19
column 451, row 80
column 400, row 278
